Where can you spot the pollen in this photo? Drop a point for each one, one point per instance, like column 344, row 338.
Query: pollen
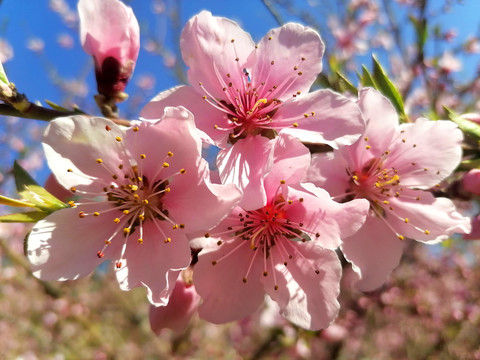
column 69, row 170
column 166, row 165
column 135, row 128
column 427, row 232
column 126, row 230
column 401, row 237
column 126, row 212
column 96, row 213
column 143, row 156
column 295, row 124
column 170, row 154
column 71, row 203
column 118, row 138
column 116, row 220
column 140, row 241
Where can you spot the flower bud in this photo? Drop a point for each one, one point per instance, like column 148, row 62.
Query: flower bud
column 109, row 31
column 179, row 310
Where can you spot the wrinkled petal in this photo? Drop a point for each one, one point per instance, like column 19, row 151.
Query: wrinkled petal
column 201, row 110
column 76, row 143
column 327, row 171
column 64, row 246
column 154, row 264
column 225, row 296
column 322, row 216
column 177, row 313
column 291, row 160
column 209, row 52
column 428, row 152
column 374, row 252
column 429, row 219
column 322, row 117
column 244, row 165
column 308, row 287
column 288, row 59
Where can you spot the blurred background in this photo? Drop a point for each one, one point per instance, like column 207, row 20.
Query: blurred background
column 430, row 307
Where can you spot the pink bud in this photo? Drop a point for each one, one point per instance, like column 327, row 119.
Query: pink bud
column 179, row 310
column 110, row 33
column 471, row 181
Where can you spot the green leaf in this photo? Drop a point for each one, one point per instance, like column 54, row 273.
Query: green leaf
column 387, row 88
column 26, row 217
column 366, row 78
column 345, row 85
column 468, row 127
column 3, row 76
column 14, row 202
column 56, row 106
column 421, row 30
column 29, row 190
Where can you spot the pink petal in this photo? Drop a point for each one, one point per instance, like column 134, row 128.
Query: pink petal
column 209, row 52
column 225, row 296
column 431, row 145
column 75, row 143
column 177, row 313
column 244, row 165
column 321, row 215
column 109, row 28
column 205, row 114
column 327, row 171
column 374, row 252
column 291, row 160
column 296, row 53
column 64, row 246
column 154, row 264
column 322, row 117
column 306, row 298
column 429, row 218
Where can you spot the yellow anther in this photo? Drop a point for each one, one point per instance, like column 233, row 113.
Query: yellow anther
column 368, row 147
column 99, row 161
column 73, row 189
column 116, row 220
column 170, row 154
column 145, row 202
column 136, row 197
column 290, row 202
column 139, row 178
column 295, row 124
column 355, row 177
column 69, row 170
column 96, row 213
column 136, row 128
column 107, row 242
column 118, row 138
column 175, row 227
column 183, row 171
column 204, row 97
column 401, row 237
column 282, row 182
column 427, row 232
column 140, row 241
column 71, row 203
column 143, row 156
column 406, row 220
column 215, row 126
column 385, row 202
column 306, row 115
column 165, row 165
column 167, row 240
column 126, row 212
column 261, row 101
column 167, row 189
column 141, row 217
column 365, row 138
column 134, row 187
column 126, row 230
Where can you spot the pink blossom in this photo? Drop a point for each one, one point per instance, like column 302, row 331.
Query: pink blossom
column 177, row 313
column 243, row 94
column 391, row 166
column 449, row 63
column 284, row 249
column 139, row 192
column 109, row 31
column 6, row 51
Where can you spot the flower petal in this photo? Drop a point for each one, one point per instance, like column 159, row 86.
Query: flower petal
column 288, row 60
column 76, row 143
column 308, row 287
column 322, row 116
column 210, row 46
column 206, row 116
column 64, row 246
column 225, row 296
column 428, row 152
column 373, row 257
column 154, row 264
column 244, row 165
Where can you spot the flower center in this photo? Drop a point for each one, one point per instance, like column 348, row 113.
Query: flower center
column 131, row 196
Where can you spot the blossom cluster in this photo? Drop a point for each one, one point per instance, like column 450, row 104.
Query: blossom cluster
column 271, row 218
